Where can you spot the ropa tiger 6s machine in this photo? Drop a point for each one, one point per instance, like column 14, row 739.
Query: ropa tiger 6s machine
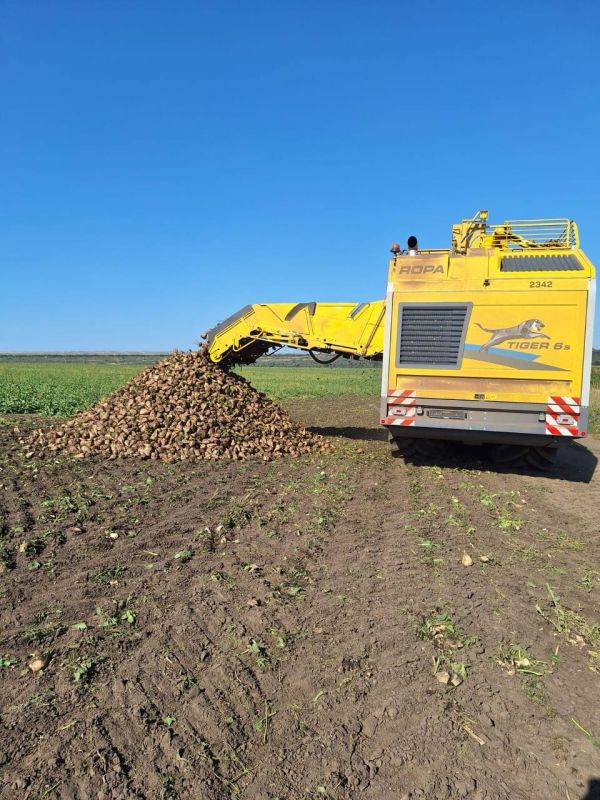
column 488, row 342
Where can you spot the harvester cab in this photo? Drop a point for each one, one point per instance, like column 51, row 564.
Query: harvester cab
column 489, row 341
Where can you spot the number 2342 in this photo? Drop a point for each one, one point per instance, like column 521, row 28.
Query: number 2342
column 540, row 284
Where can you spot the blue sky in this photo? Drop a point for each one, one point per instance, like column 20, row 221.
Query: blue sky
column 165, row 163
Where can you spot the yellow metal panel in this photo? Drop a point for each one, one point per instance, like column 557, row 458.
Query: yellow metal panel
column 347, row 328
column 458, row 387
column 554, row 356
column 547, row 307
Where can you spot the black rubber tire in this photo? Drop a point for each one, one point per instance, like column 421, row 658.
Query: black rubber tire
column 542, row 458
column 509, row 455
column 512, row 455
column 407, row 447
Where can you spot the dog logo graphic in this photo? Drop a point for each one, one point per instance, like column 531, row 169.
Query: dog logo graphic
column 530, row 329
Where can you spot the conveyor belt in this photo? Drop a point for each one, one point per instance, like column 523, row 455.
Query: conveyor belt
column 347, row 329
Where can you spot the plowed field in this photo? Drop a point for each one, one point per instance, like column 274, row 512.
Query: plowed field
column 310, row 627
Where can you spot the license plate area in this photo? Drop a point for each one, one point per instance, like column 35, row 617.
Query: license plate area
column 446, row 413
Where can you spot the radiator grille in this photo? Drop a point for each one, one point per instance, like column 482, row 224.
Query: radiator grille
column 432, row 335
column 567, row 263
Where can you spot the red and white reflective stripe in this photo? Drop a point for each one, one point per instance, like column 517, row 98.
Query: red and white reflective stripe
column 401, row 407
column 567, row 405
column 562, row 416
column 561, row 430
column 402, row 397
column 404, row 421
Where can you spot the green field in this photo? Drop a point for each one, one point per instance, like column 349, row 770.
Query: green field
column 58, row 389
column 281, row 382
column 64, row 389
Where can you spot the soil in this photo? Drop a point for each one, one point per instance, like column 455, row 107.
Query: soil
column 281, row 630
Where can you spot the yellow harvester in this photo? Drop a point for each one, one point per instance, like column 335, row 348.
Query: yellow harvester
column 489, row 341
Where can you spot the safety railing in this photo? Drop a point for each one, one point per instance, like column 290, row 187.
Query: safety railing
column 534, row 233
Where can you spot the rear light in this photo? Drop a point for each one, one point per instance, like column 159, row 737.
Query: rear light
column 566, row 419
column 400, row 411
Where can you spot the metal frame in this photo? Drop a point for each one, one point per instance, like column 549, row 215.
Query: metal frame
column 387, row 343
column 588, row 344
column 536, row 233
column 221, row 326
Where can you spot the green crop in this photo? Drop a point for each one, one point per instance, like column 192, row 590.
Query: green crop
column 65, row 389
column 282, row 382
column 58, row 389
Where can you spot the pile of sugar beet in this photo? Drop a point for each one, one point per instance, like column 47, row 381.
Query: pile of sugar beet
column 184, row 408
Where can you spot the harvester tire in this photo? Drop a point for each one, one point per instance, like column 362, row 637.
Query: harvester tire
column 509, row 455
column 542, row 458
column 407, row 447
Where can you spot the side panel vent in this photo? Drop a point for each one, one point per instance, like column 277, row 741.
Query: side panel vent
column 432, row 334
column 567, row 263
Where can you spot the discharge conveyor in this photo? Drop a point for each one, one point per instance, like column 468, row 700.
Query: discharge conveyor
column 342, row 329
